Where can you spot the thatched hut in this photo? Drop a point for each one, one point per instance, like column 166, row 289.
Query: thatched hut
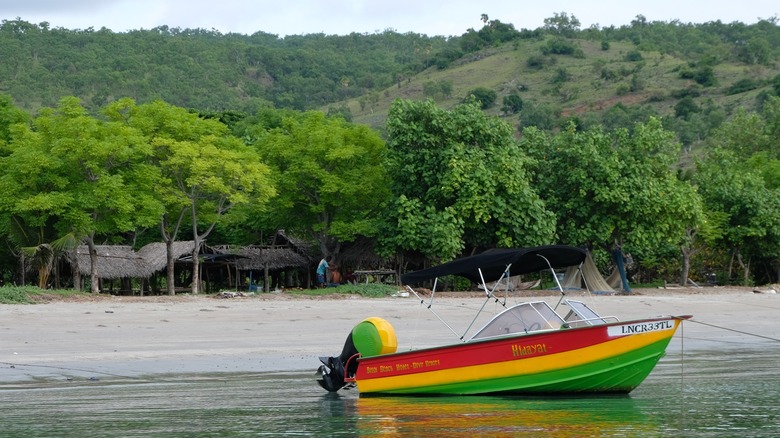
column 112, row 262
column 156, row 256
column 121, row 262
column 283, row 255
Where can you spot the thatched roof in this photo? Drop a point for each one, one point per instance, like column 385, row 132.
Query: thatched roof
column 155, row 253
column 257, row 258
column 119, row 261
column 122, row 262
column 281, row 238
column 282, row 252
column 113, row 262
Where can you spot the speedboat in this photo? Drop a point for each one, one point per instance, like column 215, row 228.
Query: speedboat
column 529, row 347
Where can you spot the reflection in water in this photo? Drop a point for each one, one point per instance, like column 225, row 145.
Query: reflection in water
column 703, row 394
column 503, row 416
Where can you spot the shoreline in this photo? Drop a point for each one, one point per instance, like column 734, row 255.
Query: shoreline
column 115, row 337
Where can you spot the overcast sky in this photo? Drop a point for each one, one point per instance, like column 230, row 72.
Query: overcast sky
column 439, row 17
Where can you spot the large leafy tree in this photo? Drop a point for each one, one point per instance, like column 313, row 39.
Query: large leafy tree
column 205, row 172
column 615, row 190
column 459, row 181
column 331, row 184
column 739, row 179
column 10, row 115
column 85, row 177
column 752, row 209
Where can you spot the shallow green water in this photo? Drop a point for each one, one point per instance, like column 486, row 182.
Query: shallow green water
column 698, row 394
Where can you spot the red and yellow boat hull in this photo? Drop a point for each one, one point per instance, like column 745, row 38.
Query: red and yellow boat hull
column 608, row 358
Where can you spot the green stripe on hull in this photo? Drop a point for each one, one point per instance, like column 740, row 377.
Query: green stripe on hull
column 618, row 374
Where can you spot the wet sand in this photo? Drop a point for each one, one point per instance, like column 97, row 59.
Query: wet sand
column 132, row 337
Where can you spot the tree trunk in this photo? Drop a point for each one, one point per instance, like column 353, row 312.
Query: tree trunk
column 93, row 273
column 731, row 265
column 169, row 274
column 686, row 266
column 169, row 238
column 745, row 269
column 266, row 279
column 76, row 273
column 196, row 267
column 24, row 269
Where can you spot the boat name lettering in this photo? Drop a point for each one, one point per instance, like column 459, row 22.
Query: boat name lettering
column 644, row 327
column 525, row 350
column 415, row 365
column 426, row 363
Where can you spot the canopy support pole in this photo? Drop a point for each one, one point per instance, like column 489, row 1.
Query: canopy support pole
column 489, row 295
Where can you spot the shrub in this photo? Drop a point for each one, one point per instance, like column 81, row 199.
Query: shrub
column 537, row 62
column 559, row 46
column 633, row 56
column 16, row 294
column 485, row 96
column 512, row 104
column 742, row 86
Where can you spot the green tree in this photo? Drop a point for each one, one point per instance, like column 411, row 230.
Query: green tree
column 685, row 107
column 87, row 177
column 544, row 117
column 751, row 209
column 209, row 171
column 10, row 115
column 776, row 85
column 738, row 177
column 755, row 51
column 328, row 173
column 614, row 190
column 485, row 96
column 512, row 104
column 204, row 171
column 440, row 88
column 562, row 24
column 459, row 181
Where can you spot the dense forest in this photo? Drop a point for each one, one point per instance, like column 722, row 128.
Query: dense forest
column 657, row 139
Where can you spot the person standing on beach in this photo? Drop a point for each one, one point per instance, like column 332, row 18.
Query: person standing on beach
column 322, row 272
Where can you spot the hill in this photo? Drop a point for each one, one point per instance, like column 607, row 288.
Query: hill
column 583, row 88
column 693, row 75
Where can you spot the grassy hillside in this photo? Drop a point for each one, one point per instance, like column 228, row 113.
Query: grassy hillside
column 594, row 82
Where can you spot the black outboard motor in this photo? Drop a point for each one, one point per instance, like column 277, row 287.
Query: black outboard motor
column 371, row 337
column 332, row 369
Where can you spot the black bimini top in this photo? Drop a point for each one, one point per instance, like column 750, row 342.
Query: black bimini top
column 494, row 262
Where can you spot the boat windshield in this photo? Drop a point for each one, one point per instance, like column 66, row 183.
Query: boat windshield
column 521, row 318
column 581, row 315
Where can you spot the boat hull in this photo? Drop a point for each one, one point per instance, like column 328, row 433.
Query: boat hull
column 609, row 358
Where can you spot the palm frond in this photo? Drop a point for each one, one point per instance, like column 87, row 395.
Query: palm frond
column 66, row 243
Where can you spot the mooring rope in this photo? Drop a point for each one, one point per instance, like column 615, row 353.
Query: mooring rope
column 735, row 330
column 682, row 372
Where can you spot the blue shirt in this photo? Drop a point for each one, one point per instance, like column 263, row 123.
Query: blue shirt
column 323, row 267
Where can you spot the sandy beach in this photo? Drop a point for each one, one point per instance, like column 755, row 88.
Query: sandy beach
column 131, row 337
